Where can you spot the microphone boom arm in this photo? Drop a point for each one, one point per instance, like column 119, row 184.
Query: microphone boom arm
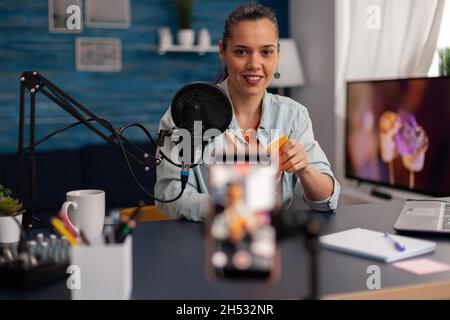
column 34, row 82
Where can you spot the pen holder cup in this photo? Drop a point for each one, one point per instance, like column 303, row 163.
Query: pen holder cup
column 105, row 270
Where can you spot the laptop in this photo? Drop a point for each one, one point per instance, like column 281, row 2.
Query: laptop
column 425, row 216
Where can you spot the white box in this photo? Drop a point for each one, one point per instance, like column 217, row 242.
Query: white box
column 106, row 271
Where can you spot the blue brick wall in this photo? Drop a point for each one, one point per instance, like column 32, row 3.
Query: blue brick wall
column 140, row 92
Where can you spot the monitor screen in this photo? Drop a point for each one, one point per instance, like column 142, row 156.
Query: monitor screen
column 398, row 134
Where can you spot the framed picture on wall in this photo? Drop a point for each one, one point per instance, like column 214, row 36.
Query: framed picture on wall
column 108, row 13
column 65, row 16
column 98, row 54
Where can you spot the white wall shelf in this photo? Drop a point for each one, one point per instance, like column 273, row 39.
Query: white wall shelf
column 196, row 49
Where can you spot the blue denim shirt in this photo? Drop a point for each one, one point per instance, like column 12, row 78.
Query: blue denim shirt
column 278, row 112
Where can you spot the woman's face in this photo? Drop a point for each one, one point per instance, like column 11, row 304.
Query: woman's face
column 251, row 56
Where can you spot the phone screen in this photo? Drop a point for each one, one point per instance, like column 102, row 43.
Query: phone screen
column 241, row 239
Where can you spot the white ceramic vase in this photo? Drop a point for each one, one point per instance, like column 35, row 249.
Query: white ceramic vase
column 204, row 38
column 9, row 229
column 165, row 37
column 186, row 38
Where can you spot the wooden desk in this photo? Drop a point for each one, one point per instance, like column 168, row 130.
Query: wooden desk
column 169, row 263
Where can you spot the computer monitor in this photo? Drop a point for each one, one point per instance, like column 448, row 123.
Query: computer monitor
column 398, row 134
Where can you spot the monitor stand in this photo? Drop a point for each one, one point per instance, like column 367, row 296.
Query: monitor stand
column 359, row 193
column 362, row 194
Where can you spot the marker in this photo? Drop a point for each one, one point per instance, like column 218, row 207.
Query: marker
column 58, row 224
column 398, row 246
column 109, row 234
column 125, row 227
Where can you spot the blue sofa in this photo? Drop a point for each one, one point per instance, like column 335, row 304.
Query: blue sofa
column 91, row 167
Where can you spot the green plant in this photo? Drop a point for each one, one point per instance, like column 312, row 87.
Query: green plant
column 8, row 205
column 444, row 62
column 184, row 8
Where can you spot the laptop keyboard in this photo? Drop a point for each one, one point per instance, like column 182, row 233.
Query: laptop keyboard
column 446, row 220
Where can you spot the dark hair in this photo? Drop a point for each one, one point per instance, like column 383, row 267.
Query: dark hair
column 245, row 12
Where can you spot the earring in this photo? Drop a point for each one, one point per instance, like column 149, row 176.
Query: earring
column 224, row 71
column 277, row 74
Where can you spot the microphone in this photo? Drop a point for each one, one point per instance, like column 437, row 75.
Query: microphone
column 198, row 107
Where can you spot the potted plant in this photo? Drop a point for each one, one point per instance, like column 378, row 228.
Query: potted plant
column 10, row 210
column 444, row 62
column 186, row 35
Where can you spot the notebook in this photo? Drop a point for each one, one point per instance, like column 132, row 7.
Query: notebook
column 373, row 244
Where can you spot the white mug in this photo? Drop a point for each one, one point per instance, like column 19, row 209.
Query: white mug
column 86, row 211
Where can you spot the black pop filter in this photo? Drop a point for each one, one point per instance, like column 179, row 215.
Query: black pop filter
column 201, row 101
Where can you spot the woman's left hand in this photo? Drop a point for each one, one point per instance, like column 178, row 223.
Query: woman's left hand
column 293, row 157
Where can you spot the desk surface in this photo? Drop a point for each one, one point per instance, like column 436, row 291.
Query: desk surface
column 169, row 263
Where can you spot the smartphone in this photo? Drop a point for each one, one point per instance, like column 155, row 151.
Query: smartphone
column 241, row 242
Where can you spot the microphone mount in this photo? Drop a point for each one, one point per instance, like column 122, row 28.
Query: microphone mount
column 35, row 83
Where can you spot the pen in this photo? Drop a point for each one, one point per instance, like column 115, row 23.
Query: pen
column 137, row 212
column 109, row 234
column 58, row 224
column 124, row 228
column 398, row 246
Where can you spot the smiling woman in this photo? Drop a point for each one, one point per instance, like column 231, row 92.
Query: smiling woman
column 251, row 56
column 250, row 51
